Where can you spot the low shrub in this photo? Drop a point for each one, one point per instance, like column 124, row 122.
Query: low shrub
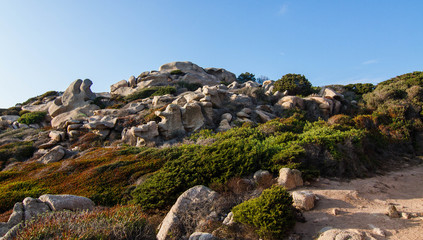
column 271, row 213
column 120, row 222
column 177, row 72
column 17, row 151
column 32, row 117
column 189, row 86
column 295, row 84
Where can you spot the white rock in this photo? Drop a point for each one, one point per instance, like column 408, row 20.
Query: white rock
column 55, row 154
column 290, row 178
column 303, row 200
column 34, row 207
column 68, row 202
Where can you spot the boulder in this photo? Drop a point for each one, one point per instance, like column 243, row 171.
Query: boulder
column 9, row 119
column 55, row 154
column 143, row 134
column 160, row 101
column 224, row 126
column 304, row 200
column 99, row 122
column 331, row 94
column 262, row 177
column 291, row 101
column 171, row 123
column 132, row 81
column 34, row 207
column 118, row 85
column 222, row 74
column 338, row 234
column 67, row 202
column 192, row 117
column 79, row 114
column 191, row 206
column 392, row 212
column 202, row 236
column 17, row 215
column 57, row 136
column 227, row 116
column 290, row 178
column 112, row 112
column 264, row 116
column 134, row 107
column 229, row 219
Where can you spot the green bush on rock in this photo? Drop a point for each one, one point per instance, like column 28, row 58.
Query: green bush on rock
column 271, row 213
column 32, row 117
column 295, row 84
column 151, row 91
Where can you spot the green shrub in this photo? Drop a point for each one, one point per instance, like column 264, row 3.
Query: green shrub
column 189, row 86
column 360, row 88
column 32, row 117
column 295, row 84
column 271, row 213
column 245, row 77
column 17, row 151
column 120, row 222
column 152, row 91
column 177, row 72
column 40, row 97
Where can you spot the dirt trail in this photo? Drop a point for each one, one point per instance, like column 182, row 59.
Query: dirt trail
column 362, row 204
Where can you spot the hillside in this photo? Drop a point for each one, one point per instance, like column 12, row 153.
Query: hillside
column 201, row 137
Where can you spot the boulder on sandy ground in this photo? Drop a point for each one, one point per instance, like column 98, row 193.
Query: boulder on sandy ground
column 68, row 202
column 290, row 178
column 193, row 205
column 338, row 234
column 303, row 200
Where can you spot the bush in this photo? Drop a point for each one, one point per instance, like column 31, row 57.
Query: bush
column 120, row 222
column 177, row 72
column 245, row 77
column 32, row 117
column 295, row 84
column 152, row 91
column 189, row 86
column 360, row 88
column 18, row 151
column 271, row 213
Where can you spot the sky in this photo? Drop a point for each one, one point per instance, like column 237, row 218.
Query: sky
column 47, row 44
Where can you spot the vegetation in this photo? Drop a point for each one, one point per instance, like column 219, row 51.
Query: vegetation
column 177, row 72
column 271, row 213
column 38, row 99
column 189, row 86
column 295, row 84
column 360, row 88
column 32, row 117
column 17, row 151
column 120, row 222
column 245, row 77
column 151, row 91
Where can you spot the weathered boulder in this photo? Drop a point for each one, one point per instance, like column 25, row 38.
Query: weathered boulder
column 191, row 206
column 222, row 74
column 100, row 122
column 17, row 215
column 224, row 126
column 134, row 107
column 68, row 202
column 160, row 101
column 80, row 114
column 9, row 119
column 290, row 178
column 171, row 123
column 264, row 116
column 303, row 200
column 57, row 136
column 132, row 81
column 118, row 85
column 331, row 94
column 288, row 102
column 55, row 154
column 192, row 117
column 262, row 177
column 112, row 112
column 34, row 207
column 229, row 219
column 227, row 116
column 202, row 236
column 338, row 234
column 392, row 212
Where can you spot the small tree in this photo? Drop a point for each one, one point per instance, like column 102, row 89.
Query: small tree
column 245, row 77
column 262, row 78
column 295, row 84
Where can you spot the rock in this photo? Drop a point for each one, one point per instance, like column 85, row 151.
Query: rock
column 99, row 122
column 4, row 228
column 190, row 207
column 264, row 117
column 132, row 81
column 17, row 215
column 79, row 114
column 48, row 144
column 293, row 101
column 290, row 178
column 9, row 119
column 202, row 236
column 229, row 220
column 392, row 212
column 34, row 207
column 338, row 234
column 112, row 112
column 146, row 132
column 74, row 127
column 207, row 109
column 331, row 94
column 118, row 85
column 103, row 133
column 221, row 74
column 54, row 155
column 192, row 117
column 192, row 96
column 171, row 123
column 303, row 200
column 134, row 107
column 160, row 101
column 67, row 202
column 227, row 116
column 224, row 126
column 242, row 115
column 405, row 215
column 335, row 211
column 262, row 177
column 57, row 136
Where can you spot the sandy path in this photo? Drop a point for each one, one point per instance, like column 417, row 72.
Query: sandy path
column 363, row 203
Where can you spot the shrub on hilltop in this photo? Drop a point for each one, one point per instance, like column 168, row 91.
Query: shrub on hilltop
column 32, row 117
column 295, row 84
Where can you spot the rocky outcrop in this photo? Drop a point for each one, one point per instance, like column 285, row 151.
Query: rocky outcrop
column 171, row 124
column 55, row 154
column 67, row 202
column 193, row 205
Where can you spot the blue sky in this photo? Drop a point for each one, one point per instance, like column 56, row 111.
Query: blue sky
column 47, row 44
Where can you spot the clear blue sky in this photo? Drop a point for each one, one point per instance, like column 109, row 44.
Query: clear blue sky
column 47, row 44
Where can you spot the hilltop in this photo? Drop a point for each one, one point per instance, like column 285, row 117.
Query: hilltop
column 216, row 144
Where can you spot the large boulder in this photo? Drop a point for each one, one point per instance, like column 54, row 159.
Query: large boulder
column 202, row 236
column 55, row 154
column 34, row 207
column 304, row 200
column 192, row 117
column 221, row 74
column 338, row 234
column 193, row 205
column 67, row 202
column 290, row 178
column 171, row 123
column 79, row 114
